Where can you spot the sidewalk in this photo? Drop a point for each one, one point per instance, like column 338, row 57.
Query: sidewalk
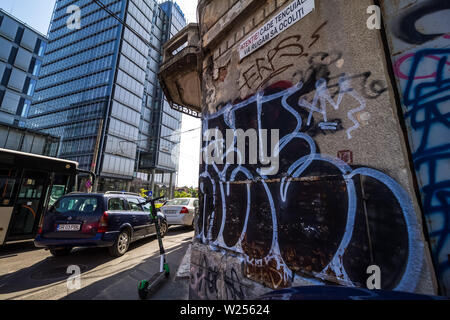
column 177, row 287
column 174, row 288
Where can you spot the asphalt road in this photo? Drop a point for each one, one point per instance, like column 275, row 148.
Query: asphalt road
column 30, row 273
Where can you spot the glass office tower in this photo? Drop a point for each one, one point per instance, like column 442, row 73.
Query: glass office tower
column 21, row 52
column 160, row 155
column 93, row 89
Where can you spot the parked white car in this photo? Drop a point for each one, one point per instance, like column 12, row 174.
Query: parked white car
column 180, row 211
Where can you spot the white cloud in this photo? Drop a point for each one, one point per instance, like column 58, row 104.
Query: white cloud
column 189, row 8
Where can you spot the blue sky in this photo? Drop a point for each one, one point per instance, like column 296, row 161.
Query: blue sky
column 37, row 14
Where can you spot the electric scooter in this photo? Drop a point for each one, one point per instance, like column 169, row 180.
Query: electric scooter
column 147, row 286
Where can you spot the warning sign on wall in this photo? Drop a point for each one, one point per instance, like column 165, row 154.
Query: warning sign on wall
column 290, row 14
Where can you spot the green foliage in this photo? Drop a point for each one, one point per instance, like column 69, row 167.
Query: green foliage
column 182, row 194
column 143, row 193
column 192, row 193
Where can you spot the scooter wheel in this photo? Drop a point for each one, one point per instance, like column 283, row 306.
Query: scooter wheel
column 142, row 289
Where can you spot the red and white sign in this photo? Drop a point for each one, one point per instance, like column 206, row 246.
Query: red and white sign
column 290, row 14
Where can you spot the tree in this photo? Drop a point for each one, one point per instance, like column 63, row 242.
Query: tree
column 181, row 194
column 193, row 192
column 143, row 193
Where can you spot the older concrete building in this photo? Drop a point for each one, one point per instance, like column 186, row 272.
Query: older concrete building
column 344, row 198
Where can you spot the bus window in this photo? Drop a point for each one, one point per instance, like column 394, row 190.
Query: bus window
column 29, row 203
column 7, row 183
column 7, row 196
column 60, row 185
column 30, row 189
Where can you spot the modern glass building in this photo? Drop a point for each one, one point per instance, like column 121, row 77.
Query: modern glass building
column 21, row 52
column 98, row 90
column 159, row 146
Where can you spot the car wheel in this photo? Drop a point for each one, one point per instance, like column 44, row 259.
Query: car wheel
column 121, row 245
column 163, row 227
column 60, row 252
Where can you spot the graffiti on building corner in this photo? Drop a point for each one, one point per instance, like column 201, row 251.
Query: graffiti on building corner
column 208, row 281
column 318, row 216
column 406, row 28
column 425, row 79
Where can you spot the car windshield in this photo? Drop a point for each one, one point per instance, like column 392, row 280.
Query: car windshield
column 78, row 204
column 177, row 202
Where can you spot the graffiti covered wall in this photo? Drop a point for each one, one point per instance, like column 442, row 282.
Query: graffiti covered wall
column 419, row 37
column 341, row 198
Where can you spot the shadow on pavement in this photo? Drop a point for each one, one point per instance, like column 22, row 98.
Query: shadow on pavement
column 52, row 270
column 124, row 285
column 14, row 248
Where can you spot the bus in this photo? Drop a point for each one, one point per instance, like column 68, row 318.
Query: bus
column 29, row 184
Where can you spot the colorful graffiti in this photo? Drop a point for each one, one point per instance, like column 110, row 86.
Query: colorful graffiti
column 426, row 97
column 319, row 216
column 419, row 37
column 406, row 29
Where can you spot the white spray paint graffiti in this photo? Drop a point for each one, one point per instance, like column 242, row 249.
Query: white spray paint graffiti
column 410, row 276
column 322, row 96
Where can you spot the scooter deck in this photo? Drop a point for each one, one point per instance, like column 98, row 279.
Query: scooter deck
column 155, row 281
column 150, row 285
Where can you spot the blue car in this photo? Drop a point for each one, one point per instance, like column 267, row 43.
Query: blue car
column 111, row 219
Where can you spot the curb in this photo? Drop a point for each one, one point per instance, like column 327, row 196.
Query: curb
column 184, row 270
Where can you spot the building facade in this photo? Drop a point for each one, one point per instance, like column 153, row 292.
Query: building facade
column 26, row 140
column 95, row 89
column 356, row 187
column 159, row 138
column 21, row 54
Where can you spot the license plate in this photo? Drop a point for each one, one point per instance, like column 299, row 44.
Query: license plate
column 170, row 211
column 68, row 227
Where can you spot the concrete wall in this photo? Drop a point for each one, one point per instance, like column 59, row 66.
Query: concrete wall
column 419, row 39
column 343, row 198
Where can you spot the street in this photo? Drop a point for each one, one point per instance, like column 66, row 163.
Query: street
column 30, row 273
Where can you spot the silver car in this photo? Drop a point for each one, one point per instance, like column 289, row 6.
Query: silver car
column 180, row 211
